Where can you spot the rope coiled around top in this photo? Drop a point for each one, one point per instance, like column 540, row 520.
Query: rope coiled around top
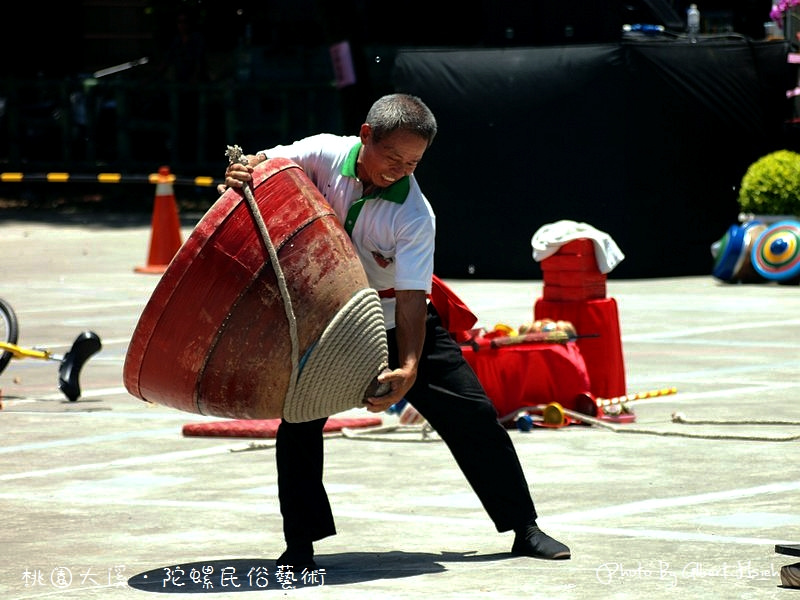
column 339, row 367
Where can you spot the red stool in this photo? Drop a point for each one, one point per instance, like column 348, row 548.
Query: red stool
column 575, row 290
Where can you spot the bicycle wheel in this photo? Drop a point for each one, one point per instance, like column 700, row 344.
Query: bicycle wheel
column 9, row 331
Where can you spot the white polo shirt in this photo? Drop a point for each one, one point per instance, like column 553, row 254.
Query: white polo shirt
column 393, row 231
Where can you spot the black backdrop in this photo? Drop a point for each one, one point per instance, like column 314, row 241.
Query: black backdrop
column 645, row 140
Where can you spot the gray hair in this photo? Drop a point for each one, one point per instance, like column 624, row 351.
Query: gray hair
column 401, row 111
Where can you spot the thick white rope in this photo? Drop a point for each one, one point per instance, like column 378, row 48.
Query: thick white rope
column 378, row 433
column 626, row 429
column 679, row 417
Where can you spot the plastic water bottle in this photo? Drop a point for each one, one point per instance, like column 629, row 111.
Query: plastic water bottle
column 693, row 22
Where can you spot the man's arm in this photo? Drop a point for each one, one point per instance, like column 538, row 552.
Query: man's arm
column 410, row 316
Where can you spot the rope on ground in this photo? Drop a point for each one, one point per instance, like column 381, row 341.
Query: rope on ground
column 706, row 436
column 425, row 430
column 423, row 433
column 255, row 446
column 678, row 417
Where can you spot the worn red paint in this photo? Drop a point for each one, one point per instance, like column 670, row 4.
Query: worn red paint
column 214, row 336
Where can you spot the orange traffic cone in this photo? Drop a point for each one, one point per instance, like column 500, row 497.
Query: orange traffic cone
column 165, row 238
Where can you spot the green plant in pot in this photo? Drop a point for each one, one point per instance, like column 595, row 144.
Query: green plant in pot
column 771, row 185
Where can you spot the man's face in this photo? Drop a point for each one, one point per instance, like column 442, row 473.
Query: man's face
column 395, row 156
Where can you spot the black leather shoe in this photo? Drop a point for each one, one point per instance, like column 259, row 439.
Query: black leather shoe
column 536, row 543
column 298, row 557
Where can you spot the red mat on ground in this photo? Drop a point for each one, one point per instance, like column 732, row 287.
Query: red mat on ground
column 265, row 428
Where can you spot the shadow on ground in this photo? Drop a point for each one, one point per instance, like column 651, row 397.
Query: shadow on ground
column 260, row 574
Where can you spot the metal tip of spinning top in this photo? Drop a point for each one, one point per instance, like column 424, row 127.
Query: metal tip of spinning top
column 376, row 389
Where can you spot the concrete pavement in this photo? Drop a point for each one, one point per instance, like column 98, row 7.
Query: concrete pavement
column 105, row 498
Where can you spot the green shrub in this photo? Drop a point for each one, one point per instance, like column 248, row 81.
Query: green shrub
column 771, row 185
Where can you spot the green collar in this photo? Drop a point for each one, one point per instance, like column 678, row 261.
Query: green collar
column 397, row 192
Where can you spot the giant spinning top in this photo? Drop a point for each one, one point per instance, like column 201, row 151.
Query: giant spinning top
column 264, row 312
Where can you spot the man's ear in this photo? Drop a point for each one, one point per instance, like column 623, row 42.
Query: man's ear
column 365, row 133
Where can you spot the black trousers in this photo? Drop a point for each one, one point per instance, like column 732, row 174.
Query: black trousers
column 450, row 397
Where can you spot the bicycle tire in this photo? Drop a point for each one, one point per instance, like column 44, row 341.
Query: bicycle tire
column 9, row 331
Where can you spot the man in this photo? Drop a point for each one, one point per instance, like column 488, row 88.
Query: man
column 369, row 182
